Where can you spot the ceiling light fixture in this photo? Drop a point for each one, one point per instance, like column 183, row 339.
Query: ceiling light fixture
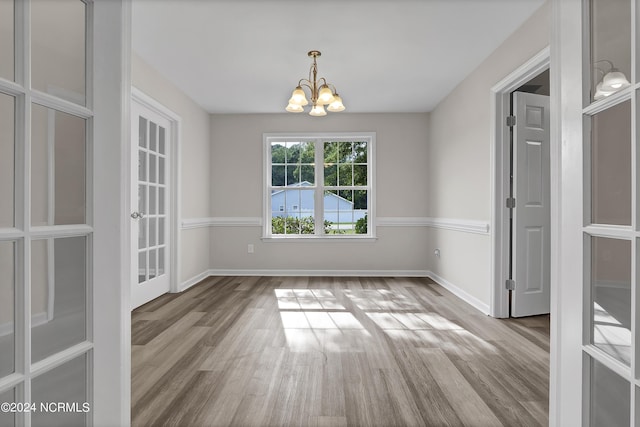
column 611, row 82
column 320, row 91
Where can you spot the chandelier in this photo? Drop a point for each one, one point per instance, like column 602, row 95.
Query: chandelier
column 612, row 81
column 321, row 93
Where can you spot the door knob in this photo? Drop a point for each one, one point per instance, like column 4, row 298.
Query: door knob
column 137, row 215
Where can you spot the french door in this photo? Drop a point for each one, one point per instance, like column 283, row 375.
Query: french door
column 151, row 147
column 46, row 218
column 611, row 221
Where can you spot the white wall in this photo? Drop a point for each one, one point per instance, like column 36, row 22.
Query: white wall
column 237, row 180
column 195, row 168
column 458, row 181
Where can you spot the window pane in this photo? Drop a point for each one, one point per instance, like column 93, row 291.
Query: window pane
column 58, row 295
column 345, row 152
column 307, row 153
column 611, row 294
column 610, row 46
column 58, row 167
column 278, row 175
column 331, row 175
column 611, row 165
column 7, row 418
column 7, row 54
column 7, row 157
column 307, row 174
column 66, row 383
column 278, row 152
column 360, row 152
column 7, row 301
column 610, row 397
column 360, row 175
column 330, row 152
column 297, row 215
column 58, row 48
column 345, row 175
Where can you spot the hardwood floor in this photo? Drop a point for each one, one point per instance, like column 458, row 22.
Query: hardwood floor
column 329, row 351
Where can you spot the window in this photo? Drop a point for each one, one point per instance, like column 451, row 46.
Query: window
column 319, row 185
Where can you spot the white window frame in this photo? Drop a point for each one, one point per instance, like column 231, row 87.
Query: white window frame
column 318, row 138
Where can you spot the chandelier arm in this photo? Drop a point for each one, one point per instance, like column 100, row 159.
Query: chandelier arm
column 604, row 60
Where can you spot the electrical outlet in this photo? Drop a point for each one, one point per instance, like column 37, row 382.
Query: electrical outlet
column 437, row 253
column 250, row 248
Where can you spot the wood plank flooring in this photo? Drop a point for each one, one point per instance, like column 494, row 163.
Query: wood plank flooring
column 334, row 351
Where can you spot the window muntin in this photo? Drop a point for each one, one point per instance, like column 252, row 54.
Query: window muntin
column 318, row 186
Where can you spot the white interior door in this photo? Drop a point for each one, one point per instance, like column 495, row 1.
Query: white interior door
column 531, row 216
column 150, row 133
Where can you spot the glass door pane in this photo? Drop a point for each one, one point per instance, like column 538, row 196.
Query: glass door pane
column 611, row 166
column 152, row 179
column 58, row 295
column 7, row 158
column 7, row 51
column 66, row 384
column 58, row 167
column 58, row 48
column 611, row 296
column 7, row 314
column 610, row 47
column 610, row 397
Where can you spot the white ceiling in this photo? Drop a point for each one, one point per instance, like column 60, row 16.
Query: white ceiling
column 246, row 56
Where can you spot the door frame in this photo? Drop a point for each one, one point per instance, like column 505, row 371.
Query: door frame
column 175, row 126
column 499, row 147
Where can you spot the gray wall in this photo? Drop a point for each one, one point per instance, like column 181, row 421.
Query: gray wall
column 195, row 168
column 459, row 161
column 237, row 177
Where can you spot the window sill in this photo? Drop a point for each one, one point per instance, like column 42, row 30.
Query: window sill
column 324, row 239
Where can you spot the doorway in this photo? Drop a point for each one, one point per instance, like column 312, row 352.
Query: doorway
column 520, row 240
column 153, row 200
column 529, row 199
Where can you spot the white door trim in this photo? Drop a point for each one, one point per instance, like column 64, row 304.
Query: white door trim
column 175, row 224
column 499, row 148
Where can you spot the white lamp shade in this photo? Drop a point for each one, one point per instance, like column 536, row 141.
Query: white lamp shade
column 294, row 108
column 325, row 96
column 614, row 80
column 337, row 105
column 318, row 110
column 600, row 93
column 298, row 97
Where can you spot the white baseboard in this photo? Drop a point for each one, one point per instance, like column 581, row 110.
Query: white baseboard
column 463, row 295
column 331, row 273
column 193, row 281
